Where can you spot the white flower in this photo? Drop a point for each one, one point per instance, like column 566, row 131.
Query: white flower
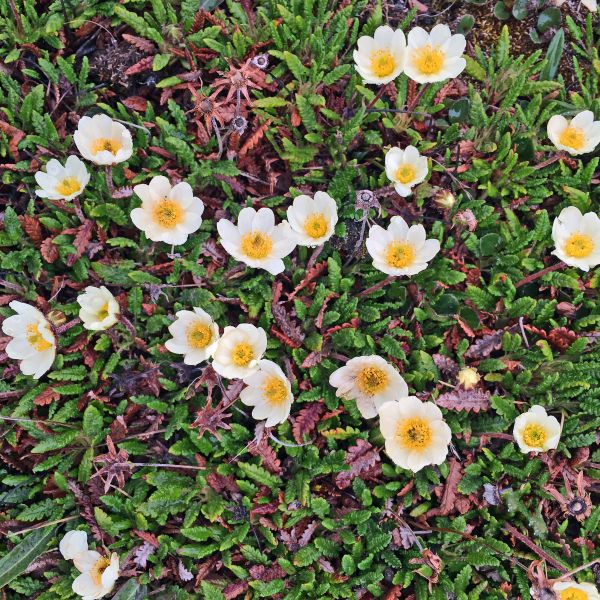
column 535, row 431
column 256, row 240
column 269, row 392
column 99, row 309
column 380, row 59
column 33, row 342
column 98, row 573
column 313, row 219
column 239, row 351
column 415, row 433
column 102, row 140
column 434, row 56
column 400, row 249
column 195, row 335
column 569, row 590
column 168, row 213
column 406, row 168
column 370, row 381
column 62, row 182
column 577, row 238
column 579, row 135
column 591, row 5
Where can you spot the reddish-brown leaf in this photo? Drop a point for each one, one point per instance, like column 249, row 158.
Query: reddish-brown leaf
column 445, row 364
column 46, row 397
column 81, row 241
column 140, row 43
column 48, row 250
column 142, row 65
column 15, row 136
column 136, row 103
column 306, row 420
column 32, row 228
column 361, row 458
column 254, row 139
column 469, row 400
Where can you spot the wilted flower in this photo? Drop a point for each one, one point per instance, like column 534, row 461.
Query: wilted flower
column 62, row 182
column 99, row 309
column 415, row 433
column 239, row 351
column 370, row 381
column 405, row 168
column 578, row 136
column 102, row 140
column 536, row 431
column 434, row 56
column 570, row 590
column 380, row 59
column 400, row 249
column 195, row 335
column 313, row 219
column 270, row 393
column 168, row 213
column 33, row 342
column 444, row 199
column 577, row 238
column 261, row 61
column 468, row 378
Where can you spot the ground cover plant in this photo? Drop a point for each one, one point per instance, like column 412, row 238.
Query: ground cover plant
column 297, row 301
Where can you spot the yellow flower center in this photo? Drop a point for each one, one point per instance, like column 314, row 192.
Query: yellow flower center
column 98, row 569
column 256, row 244
column 68, row 186
column 414, row 433
column 167, row 213
column 199, row 335
column 275, row 390
column 103, row 312
column 400, row 255
column 579, row 245
column 109, row 144
column 572, row 137
column 428, row 60
column 242, row 354
column 372, row 380
column 535, row 435
column 405, row 173
column 573, row 594
column 35, row 338
column 383, row 63
column 315, row 225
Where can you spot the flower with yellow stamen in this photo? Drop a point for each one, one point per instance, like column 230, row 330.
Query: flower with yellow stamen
column 60, row 182
column 369, row 381
column 434, row 56
column 415, row 433
column 195, row 335
column 239, row 351
column 570, row 590
column 168, row 213
column 313, row 220
column 380, row 59
column 577, row 238
column 536, row 431
column 579, row 135
column 33, row 342
column 99, row 309
column 405, row 169
column 103, row 141
column 256, row 240
column 270, row 393
column 400, row 249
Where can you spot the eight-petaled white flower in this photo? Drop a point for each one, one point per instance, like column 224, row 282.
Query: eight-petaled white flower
column 536, row 431
column 270, row 393
column 405, row 168
column 239, row 351
column 60, row 182
column 98, row 573
column 195, row 335
column 577, row 238
column 579, row 135
column 256, row 240
column 400, row 249
column 434, row 56
column 102, row 140
column 380, row 59
column 415, row 433
column 570, row 590
column 99, row 309
column 33, row 342
column 313, row 219
column 370, row 381
column 168, row 213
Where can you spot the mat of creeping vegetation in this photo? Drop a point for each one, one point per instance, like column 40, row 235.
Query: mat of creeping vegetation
column 316, row 509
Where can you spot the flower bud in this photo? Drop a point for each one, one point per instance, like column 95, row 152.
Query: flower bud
column 468, row 378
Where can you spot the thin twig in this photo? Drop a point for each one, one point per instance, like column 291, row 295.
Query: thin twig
column 377, row 286
column 534, row 276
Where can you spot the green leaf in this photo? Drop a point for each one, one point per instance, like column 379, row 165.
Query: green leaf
column 23, row 554
column 132, row 590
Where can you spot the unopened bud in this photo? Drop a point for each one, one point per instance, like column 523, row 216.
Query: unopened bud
column 56, row 317
column 468, row 378
column 444, row 199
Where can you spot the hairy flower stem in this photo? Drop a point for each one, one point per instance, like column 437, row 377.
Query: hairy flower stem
column 79, row 210
column 378, row 95
column 66, row 326
column 534, row 276
column 110, row 185
column 377, row 286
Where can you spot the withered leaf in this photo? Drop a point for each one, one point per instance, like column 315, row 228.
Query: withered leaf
column 306, row 420
column 469, row 400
